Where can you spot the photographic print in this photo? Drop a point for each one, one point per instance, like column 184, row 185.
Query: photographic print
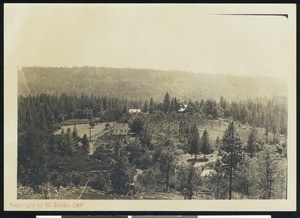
column 147, row 106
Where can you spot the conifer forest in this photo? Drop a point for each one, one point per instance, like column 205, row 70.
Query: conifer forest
column 112, row 133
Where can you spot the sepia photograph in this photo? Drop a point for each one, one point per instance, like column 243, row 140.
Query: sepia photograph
column 169, row 103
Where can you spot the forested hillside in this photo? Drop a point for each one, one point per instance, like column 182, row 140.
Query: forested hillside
column 163, row 157
column 142, row 84
column 197, row 136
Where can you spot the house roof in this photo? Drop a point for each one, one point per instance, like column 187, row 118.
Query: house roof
column 121, row 126
column 183, row 108
column 134, row 110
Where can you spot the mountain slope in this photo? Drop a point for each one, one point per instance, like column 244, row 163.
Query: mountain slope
column 144, row 83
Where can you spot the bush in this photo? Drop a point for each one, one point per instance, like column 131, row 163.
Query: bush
column 101, row 182
column 78, row 179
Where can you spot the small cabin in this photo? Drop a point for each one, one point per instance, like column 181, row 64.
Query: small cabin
column 186, row 109
column 134, row 111
column 182, row 109
column 120, row 129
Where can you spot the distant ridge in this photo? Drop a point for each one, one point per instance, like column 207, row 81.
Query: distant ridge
column 145, row 83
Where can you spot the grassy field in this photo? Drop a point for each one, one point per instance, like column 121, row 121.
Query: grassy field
column 97, row 131
column 84, row 129
column 217, row 128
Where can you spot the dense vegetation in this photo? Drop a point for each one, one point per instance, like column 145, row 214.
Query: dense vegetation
column 48, row 110
column 150, row 161
column 144, row 83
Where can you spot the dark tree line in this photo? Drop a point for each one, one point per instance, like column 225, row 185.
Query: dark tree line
column 50, row 109
column 268, row 113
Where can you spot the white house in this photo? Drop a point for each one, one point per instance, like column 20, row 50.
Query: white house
column 120, row 129
column 183, row 108
column 134, row 111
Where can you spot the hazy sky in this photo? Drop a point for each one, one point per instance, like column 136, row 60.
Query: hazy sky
column 170, row 37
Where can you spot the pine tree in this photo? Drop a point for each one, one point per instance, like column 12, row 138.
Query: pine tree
column 137, row 126
column 69, row 134
column 167, row 165
column 205, row 145
column 146, row 106
column 164, row 156
column 177, row 106
column 151, row 105
column 166, row 104
column 125, row 110
column 145, row 137
column 85, row 143
column 121, row 176
column 270, row 173
column 231, row 154
column 218, row 142
column 172, row 105
column 194, row 141
column 251, row 143
column 218, row 177
column 92, row 124
column 189, row 191
column 74, row 133
column 187, row 130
